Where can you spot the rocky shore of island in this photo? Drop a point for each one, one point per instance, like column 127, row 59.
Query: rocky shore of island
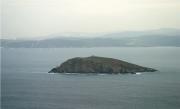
column 96, row 64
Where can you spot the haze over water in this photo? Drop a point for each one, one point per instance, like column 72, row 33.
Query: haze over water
column 27, row 84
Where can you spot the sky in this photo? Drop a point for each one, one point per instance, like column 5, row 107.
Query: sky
column 41, row 18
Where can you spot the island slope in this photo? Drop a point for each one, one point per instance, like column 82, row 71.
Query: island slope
column 95, row 64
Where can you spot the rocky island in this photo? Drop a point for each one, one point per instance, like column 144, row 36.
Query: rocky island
column 95, row 64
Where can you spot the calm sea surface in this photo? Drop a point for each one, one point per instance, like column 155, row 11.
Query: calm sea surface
column 26, row 84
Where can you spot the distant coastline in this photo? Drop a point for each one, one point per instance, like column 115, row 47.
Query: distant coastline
column 153, row 38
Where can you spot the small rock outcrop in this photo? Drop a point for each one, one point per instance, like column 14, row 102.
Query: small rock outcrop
column 94, row 64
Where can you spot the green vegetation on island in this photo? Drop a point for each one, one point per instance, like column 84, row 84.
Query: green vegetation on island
column 95, row 64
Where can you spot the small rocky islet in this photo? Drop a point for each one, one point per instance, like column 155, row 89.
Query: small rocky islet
column 95, row 64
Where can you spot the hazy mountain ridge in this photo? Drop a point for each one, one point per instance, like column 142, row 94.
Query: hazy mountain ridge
column 161, row 37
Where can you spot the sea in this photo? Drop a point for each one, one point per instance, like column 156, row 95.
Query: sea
column 26, row 83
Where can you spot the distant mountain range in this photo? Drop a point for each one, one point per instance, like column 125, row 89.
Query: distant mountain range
column 152, row 38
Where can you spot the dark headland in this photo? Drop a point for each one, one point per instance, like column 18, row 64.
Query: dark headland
column 95, row 64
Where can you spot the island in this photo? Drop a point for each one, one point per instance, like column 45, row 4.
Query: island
column 96, row 64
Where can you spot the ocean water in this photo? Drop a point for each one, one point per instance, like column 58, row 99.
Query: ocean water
column 26, row 84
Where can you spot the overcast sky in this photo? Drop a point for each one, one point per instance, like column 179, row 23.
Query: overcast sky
column 39, row 18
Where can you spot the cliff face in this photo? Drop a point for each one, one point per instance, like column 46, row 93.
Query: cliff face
column 96, row 64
